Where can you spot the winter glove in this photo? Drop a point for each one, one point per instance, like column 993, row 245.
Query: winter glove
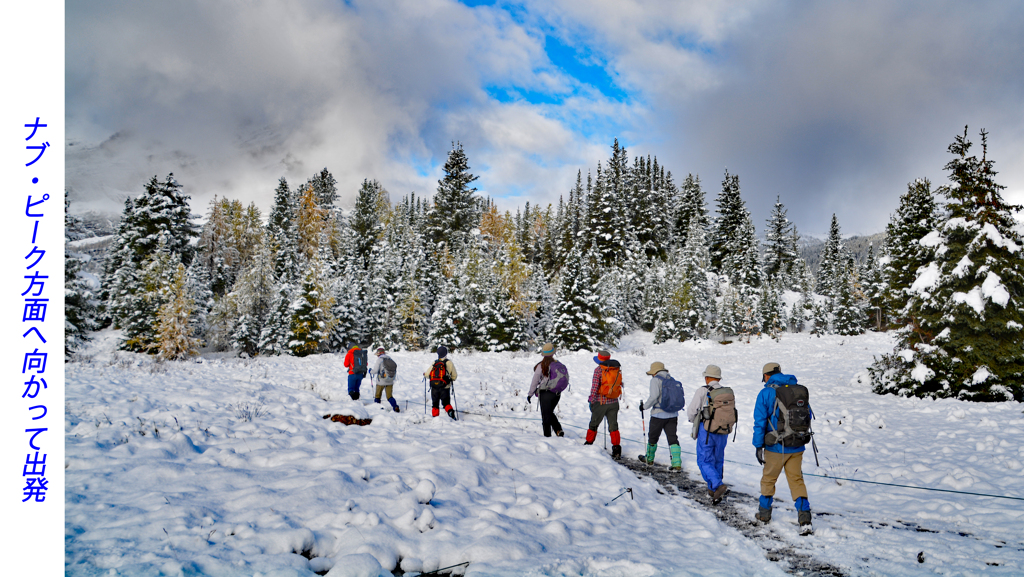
column 529, row 399
column 641, row 406
column 759, row 453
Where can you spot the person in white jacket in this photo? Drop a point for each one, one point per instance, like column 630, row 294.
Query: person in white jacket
column 661, row 420
column 710, row 446
column 385, row 382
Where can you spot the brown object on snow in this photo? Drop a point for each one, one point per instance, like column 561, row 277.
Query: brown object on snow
column 348, row 420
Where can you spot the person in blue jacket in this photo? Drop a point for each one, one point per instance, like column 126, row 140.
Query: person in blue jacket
column 777, row 458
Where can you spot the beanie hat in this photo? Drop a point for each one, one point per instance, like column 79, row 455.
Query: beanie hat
column 713, row 372
column 442, row 351
column 771, row 369
column 548, row 349
column 656, row 367
column 602, row 356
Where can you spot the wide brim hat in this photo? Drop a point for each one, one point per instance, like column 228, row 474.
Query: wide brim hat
column 602, row 356
column 712, row 371
column 656, row 367
column 547, row 349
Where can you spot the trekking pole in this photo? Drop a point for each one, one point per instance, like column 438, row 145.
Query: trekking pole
column 424, row 395
column 455, row 400
column 643, row 420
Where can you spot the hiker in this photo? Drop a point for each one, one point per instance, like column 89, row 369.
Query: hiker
column 605, row 390
column 774, row 454
column 385, row 372
column 550, row 378
column 665, row 401
column 355, row 360
column 440, row 375
column 710, row 444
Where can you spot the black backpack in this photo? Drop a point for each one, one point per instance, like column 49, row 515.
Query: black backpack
column 359, row 361
column 793, row 410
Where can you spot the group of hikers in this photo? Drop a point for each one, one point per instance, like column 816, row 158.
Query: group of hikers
column 782, row 415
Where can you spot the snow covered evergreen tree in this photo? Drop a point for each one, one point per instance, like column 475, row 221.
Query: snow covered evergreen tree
column 141, row 306
column 916, row 216
column 174, row 326
column 81, row 313
column 966, row 336
column 833, row 261
column 456, row 209
column 780, row 244
column 311, row 318
column 578, row 320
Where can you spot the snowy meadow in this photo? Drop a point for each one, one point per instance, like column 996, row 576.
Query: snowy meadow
column 226, row 466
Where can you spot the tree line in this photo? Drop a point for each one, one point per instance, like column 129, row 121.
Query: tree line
column 625, row 249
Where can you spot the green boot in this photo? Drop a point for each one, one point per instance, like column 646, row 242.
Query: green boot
column 677, row 461
column 649, row 457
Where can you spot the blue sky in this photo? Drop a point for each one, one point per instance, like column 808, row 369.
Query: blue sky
column 834, row 107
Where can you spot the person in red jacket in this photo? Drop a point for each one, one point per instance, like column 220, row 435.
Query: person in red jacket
column 355, row 361
column 602, row 406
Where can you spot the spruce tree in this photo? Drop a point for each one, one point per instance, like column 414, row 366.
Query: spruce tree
column 690, row 203
column 80, row 308
column 916, row 216
column 311, row 318
column 456, row 209
column 966, row 336
column 833, row 257
column 780, row 244
column 578, row 318
column 366, row 223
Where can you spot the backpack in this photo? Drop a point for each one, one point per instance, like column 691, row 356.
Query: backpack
column 793, row 410
column 557, row 379
column 389, row 366
column 359, row 361
column 439, row 374
column 721, row 411
column 611, row 380
column 672, row 396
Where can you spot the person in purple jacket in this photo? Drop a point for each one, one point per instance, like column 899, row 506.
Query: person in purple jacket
column 777, row 458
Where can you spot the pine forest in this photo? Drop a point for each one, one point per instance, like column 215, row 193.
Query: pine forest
column 627, row 248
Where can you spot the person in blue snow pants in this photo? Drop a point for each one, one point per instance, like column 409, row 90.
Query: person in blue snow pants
column 710, row 446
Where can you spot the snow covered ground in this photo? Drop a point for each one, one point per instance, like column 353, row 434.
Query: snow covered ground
column 227, row 467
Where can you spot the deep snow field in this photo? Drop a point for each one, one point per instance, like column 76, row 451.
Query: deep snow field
column 166, row 476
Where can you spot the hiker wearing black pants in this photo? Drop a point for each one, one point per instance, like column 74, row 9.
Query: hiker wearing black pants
column 441, row 374
column 541, row 387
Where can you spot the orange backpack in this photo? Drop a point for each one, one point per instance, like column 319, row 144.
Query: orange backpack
column 611, row 380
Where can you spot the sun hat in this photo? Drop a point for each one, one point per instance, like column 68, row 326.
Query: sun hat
column 713, row 371
column 656, row 367
column 602, row 356
column 771, row 369
column 548, row 349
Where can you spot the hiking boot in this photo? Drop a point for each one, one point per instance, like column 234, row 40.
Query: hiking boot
column 354, row 395
column 649, row 457
column 451, row 413
column 559, row 433
column 616, row 451
column 591, row 437
column 396, row 409
column 676, row 458
column 803, row 518
column 763, row 515
column 719, row 493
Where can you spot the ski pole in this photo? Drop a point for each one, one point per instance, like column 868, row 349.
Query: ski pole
column 643, row 420
column 424, row 395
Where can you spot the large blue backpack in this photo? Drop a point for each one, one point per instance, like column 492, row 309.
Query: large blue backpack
column 672, row 396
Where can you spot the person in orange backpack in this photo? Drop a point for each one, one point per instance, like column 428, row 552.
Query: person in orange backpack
column 355, row 361
column 440, row 375
column 605, row 390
